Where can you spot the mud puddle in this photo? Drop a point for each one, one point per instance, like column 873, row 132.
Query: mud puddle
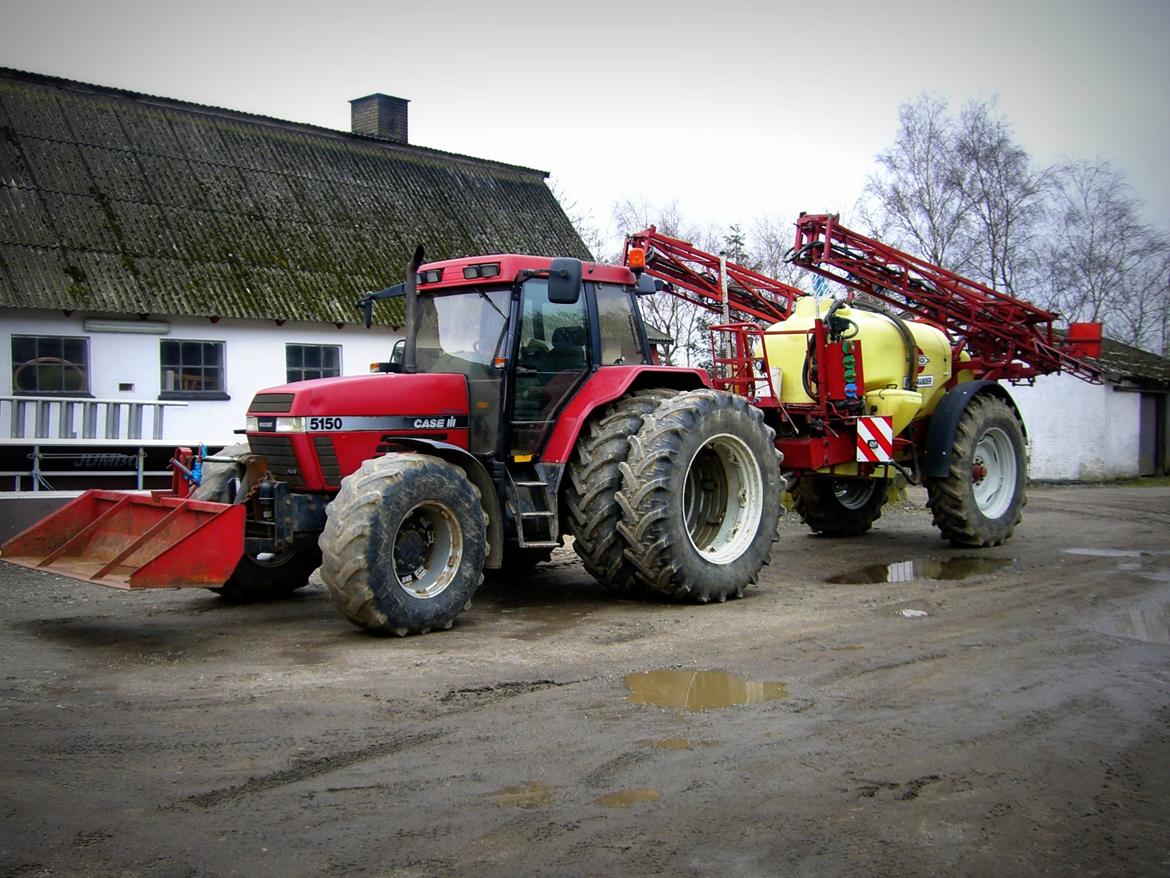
column 526, row 796
column 1148, row 621
column 923, row 568
column 627, row 798
column 699, row 690
column 1107, row 553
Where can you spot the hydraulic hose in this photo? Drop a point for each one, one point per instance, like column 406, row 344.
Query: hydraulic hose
column 911, row 381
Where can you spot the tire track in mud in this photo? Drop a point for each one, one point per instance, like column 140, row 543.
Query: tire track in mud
column 307, row 769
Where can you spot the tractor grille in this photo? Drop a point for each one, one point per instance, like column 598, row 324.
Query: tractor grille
column 327, row 457
column 278, row 403
column 282, row 460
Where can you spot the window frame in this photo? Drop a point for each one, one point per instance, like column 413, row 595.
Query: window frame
column 85, row 393
column 302, row 368
column 219, row 394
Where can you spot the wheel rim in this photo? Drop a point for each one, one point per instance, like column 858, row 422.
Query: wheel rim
column 428, row 547
column 993, row 473
column 853, row 493
column 722, row 498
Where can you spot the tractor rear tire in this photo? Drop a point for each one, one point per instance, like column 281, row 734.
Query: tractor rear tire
column 839, row 507
column 981, row 500
column 404, row 544
column 256, row 578
column 593, row 482
column 700, row 497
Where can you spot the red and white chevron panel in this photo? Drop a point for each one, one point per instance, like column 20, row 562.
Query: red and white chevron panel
column 875, row 440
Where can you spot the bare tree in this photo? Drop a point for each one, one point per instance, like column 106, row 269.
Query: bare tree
column 1105, row 263
column 581, row 219
column 1003, row 198
column 916, row 199
column 682, row 321
column 961, row 193
column 769, row 243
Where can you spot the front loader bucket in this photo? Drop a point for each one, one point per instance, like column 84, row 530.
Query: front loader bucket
column 135, row 541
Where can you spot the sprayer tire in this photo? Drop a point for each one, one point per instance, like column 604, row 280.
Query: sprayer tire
column 700, row 497
column 839, row 507
column 981, row 500
column 594, row 478
column 398, row 510
column 255, row 579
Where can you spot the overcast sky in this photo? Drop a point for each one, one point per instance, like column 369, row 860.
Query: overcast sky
column 735, row 109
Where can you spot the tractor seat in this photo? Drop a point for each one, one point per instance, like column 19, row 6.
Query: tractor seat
column 568, row 349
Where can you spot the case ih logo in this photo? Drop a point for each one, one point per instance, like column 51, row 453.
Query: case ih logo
column 433, row 423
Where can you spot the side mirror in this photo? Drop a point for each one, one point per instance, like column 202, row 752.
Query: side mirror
column 398, row 354
column 648, row 285
column 564, row 281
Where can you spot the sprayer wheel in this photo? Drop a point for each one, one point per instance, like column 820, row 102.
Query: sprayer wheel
column 839, row 507
column 981, row 500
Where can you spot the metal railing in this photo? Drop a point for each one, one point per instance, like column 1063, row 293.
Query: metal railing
column 69, row 417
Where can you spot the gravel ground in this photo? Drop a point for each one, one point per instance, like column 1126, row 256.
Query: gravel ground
column 1000, row 712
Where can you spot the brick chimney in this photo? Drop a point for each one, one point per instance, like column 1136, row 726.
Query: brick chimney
column 380, row 116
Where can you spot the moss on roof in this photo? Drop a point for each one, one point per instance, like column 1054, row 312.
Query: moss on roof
column 116, row 202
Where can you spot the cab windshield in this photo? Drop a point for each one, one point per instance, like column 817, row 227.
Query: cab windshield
column 463, row 332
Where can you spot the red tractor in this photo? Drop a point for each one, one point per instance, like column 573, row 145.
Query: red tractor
column 525, row 403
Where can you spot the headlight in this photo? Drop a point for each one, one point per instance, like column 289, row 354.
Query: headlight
column 290, row 425
column 271, row 424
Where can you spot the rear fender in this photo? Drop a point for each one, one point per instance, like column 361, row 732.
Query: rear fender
column 944, row 423
column 603, row 387
column 478, row 475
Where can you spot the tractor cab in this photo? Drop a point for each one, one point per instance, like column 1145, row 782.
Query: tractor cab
column 525, row 332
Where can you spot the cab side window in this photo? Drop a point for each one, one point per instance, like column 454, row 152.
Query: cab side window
column 619, row 336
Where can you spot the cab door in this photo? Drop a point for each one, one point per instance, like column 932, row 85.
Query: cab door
column 552, row 358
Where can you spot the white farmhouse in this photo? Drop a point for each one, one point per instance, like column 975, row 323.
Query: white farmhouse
column 161, row 261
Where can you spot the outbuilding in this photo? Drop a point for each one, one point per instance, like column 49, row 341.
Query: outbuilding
column 1081, row 432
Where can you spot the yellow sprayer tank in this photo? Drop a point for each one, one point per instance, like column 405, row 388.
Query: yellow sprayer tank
column 883, row 356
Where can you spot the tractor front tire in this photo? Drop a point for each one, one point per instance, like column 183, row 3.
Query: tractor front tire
column 981, row 500
column 404, row 544
column 594, row 478
column 839, row 507
column 259, row 577
column 700, row 497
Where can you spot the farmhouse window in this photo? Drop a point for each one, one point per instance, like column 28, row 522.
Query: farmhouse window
column 192, row 369
column 305, row 361
column 50, row 365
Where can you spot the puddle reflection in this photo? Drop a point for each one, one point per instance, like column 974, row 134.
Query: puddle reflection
column 923, row 568
column 699, row 690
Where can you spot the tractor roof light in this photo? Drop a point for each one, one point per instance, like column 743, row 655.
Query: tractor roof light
column 483, row 269
column 636, row 260
column 430, row 276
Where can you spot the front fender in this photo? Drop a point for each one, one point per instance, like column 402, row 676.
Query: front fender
column 944, row 423
column 478, row 475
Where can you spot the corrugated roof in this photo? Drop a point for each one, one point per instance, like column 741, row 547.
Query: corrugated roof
column 1125, row 362
column 114, row 201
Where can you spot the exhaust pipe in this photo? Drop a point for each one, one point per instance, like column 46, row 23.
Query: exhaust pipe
column 408, row 355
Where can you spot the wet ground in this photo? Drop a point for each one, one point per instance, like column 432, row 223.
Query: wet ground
column 884, row 705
